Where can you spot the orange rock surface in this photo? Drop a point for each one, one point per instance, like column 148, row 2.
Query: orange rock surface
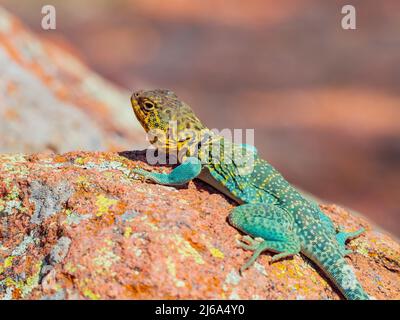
column 76, row 226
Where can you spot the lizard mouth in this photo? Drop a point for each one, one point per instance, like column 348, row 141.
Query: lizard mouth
column 138, row 112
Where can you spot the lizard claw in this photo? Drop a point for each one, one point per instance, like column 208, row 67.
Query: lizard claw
column 248, row 243
column 138, row 174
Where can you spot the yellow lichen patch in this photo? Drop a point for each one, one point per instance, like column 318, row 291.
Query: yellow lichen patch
column 292, row 272
column 104, row 204
column 82, row 181
column 13, row 194
column 70, row 268
column 80, row 161
column 31, row 282
column 171, row 267
column 15, row 157
column 109, row 242
column 15, row 165
column 216, row 253
column 8, row 181
column 24, row 288
column 313, row 279
column 152, row 226
column 172, row 271
column 109, row 175
column 361, row 247
column 301, row 289
column 105, row 258
column 297, row 270
column 84, row 285
column 279, row 269
column 128, row 232
column 9, row 282
column 90, row 294
column 186, row 250
column 11, row 200
column 8, row 262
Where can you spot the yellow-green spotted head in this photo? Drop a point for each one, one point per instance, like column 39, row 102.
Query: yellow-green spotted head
column 156, row 109
column 170, row 121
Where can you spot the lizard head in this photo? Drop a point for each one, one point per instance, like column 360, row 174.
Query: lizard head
column 161, row 110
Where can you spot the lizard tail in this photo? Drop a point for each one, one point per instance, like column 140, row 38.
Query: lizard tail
column 341, row 273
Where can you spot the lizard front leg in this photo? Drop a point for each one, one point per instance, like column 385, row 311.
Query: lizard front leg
column 182, row 174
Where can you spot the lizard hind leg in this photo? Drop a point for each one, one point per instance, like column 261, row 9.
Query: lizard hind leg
column 272, row 227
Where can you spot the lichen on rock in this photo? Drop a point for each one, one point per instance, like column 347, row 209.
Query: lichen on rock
column 84, row 229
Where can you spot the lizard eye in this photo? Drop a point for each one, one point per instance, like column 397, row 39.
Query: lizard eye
column 148, row 105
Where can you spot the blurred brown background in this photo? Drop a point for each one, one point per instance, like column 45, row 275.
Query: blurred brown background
column 325, row 102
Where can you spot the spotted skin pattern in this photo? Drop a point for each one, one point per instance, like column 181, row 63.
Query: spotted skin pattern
column 273, row 214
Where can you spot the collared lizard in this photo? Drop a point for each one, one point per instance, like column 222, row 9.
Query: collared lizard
column 274, row 215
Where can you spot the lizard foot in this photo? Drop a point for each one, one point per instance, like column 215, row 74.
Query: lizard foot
column 282, row 255
column 138, row 173
column 343, row 236
column 249, row 243
column 258, row 248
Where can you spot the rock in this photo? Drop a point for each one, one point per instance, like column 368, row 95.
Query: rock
column 101, row 234
column 49, row 100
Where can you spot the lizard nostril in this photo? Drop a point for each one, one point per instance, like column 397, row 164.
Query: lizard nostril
column 135, row 95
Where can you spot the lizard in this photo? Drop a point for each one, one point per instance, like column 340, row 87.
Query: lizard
column 273, row 215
